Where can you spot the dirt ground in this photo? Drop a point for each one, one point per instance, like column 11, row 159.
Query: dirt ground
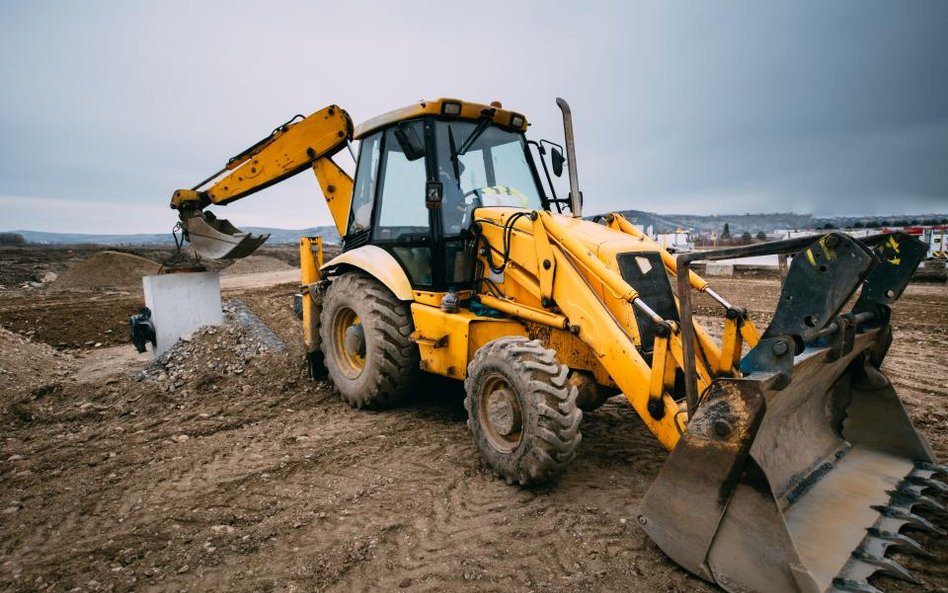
column 266, row 481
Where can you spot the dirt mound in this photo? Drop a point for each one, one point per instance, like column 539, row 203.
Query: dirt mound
column 255, row 264
column 25, row 364
column 220, row 350
column 107, row 269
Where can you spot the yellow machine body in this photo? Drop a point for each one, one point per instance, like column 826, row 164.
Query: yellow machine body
column 773, row 434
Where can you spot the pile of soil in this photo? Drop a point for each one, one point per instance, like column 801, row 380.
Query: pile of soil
column 214, row 351
column 933, row 270
column 255, row 264
column 107, row 269
column 25, row 364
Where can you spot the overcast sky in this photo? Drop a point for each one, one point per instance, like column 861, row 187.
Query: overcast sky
column 703, row 107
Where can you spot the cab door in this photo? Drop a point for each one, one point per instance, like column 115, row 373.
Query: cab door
column 388, row 203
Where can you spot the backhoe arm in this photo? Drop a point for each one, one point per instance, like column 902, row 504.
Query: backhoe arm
column 301, row 143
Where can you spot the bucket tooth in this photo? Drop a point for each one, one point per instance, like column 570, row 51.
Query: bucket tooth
column 900, row 541
column 935, row 468
column 909, row 517
column 886, row 566
column 908, row 497
column 840, row 584
column 927, row 483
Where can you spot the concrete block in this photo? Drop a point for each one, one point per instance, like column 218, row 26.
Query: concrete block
column 181, row 303
column 718, row 269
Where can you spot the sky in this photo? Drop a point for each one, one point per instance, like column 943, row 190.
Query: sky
column 829, row 108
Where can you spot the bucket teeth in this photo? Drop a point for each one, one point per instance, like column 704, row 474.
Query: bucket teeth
column 907, row 516
column 900, row 541
column 840, row 584
column 927, row 483
column 935, row 468
column 907, row 497
column 886, row 566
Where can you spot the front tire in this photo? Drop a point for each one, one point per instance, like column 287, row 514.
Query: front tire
column 522, row 410
column 365, row 333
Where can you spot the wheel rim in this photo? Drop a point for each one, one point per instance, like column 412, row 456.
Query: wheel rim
column 349, row 342
column 500, row 414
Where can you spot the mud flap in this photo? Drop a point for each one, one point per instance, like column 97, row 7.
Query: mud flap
column 216, row 238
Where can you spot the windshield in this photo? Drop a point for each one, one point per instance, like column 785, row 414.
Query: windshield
column 492, row 172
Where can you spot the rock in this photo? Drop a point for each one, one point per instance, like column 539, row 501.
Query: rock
column 180, row 438
column 405, row 583
column 223, row 529
column 15, row 458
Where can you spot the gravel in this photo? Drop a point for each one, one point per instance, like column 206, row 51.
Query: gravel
column 225, row 349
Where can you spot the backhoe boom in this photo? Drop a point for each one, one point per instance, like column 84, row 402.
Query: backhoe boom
column 289, row 149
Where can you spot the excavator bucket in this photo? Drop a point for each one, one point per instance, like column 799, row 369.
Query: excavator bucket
column 216, row 238
column 798, row 476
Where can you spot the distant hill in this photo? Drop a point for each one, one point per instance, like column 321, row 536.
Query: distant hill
column 660, row 223
column 277, row 237
column 753, row 223
column 737, row 223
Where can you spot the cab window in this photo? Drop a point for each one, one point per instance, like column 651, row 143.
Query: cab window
column 493, row 171
column 402, row 215
column 363, row 195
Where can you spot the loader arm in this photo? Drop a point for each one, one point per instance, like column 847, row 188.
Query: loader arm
column 553, row 277
column 789, row 464
column 297, row 145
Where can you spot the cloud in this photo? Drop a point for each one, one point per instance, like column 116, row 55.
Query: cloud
column 724, row 106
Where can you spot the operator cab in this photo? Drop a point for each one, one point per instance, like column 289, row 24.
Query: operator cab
column 423, row 171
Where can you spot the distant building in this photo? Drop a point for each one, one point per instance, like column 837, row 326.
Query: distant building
column 677, row 242
column 935, row 236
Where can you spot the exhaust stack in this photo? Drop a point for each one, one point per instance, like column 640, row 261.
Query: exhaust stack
column 576, row 197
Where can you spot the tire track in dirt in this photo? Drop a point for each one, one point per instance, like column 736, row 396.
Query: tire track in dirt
column 284, row 488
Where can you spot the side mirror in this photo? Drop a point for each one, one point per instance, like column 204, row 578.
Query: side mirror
column 410, row 143
column 557, row 160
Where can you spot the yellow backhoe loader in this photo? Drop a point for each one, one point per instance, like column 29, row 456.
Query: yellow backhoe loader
column 793, row 465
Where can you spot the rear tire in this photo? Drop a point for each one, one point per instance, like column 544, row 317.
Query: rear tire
column 365, row 334
column 522, row 410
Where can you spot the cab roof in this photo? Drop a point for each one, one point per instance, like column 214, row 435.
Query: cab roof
column 453, row 108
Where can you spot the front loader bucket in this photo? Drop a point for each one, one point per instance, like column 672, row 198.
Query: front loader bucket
column 216, row 238
column 798, row 476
